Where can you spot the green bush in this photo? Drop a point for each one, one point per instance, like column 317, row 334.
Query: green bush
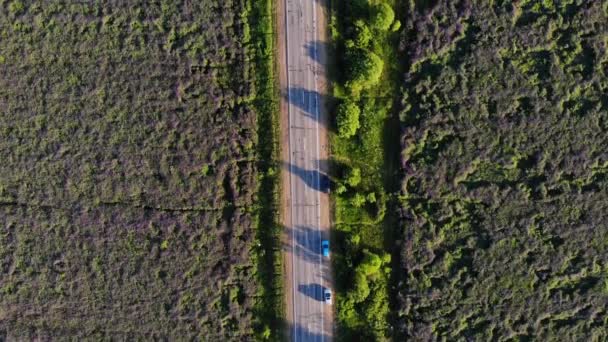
column 363, row 69
column 371, row 263
column 382, row 16
column 360, row 291
column 347, row 118
column 353, row 177
column 358, row 200
column 371, row 197
column 395, row 26
column 365, row 45
column 363, row 35
column 16, row 7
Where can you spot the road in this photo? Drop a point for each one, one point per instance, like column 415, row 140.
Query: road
column 311, row 319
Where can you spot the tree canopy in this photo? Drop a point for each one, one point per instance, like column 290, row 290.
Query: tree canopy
column 382, row 16
column 364, row 69
column 348, row 119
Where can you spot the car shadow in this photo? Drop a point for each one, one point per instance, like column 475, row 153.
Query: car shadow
column 314, row 291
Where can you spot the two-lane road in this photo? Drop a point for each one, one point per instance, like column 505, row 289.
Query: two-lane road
column 308, row 221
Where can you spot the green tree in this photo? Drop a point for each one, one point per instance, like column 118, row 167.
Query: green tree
column 382, row 16
column 347, row 119
column 353, row 176
column 358, row 200
column 363, row 69
column 361, row 289
column 363, row 35
column 371, row 263
column 371, row 197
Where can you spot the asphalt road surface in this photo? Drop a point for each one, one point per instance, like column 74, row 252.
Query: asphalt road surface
column 311, row 320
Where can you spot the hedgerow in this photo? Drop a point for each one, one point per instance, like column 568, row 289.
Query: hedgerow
column 366, row 73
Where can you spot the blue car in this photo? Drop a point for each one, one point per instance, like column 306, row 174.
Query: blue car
column 325, row 248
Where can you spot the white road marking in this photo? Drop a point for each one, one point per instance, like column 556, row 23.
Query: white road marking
column 315, row 58
column 306, row 169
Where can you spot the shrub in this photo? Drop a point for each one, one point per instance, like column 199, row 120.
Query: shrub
column 361, row 289
column 16, row 7
column 348, row 119
column 358, row 200
column 395, row 26
column 382, row 16
column 353, row 177
column 371, row 197
column 363, row 69
column 371, row 263
column 363, row 34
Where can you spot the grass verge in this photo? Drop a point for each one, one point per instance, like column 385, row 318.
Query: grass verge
column 269, row 307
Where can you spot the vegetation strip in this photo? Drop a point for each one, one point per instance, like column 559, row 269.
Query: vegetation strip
column 363, row 144
column 270, row 305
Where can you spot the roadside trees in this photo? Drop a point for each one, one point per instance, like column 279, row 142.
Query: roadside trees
column 347, row 119
column 363, row 69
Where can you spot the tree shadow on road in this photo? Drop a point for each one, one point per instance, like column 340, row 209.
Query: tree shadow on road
column 304, row 334
column 314, row 291
column 306, row 243
column 309, row 101
column 314, row 48
column 323, row 3
column 314, row 179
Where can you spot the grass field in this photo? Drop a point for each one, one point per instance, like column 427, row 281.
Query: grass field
column 130, row 169
column 504, row 117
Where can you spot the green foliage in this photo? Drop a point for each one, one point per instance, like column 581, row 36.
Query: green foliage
column 341, row 189
column 363, row 69
column 358, row 200
column 363, row 35
column 353, row 177
column 367, row 271
column 370, row 265
column 360, row 290
column 117, row 181
column 502, row 123
column 347, row 117
column 16, row 7
column 371, row 197
column 382, row 16
column 395, row 26
column 365, row 48
column 205, row 169
column 266, row 333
